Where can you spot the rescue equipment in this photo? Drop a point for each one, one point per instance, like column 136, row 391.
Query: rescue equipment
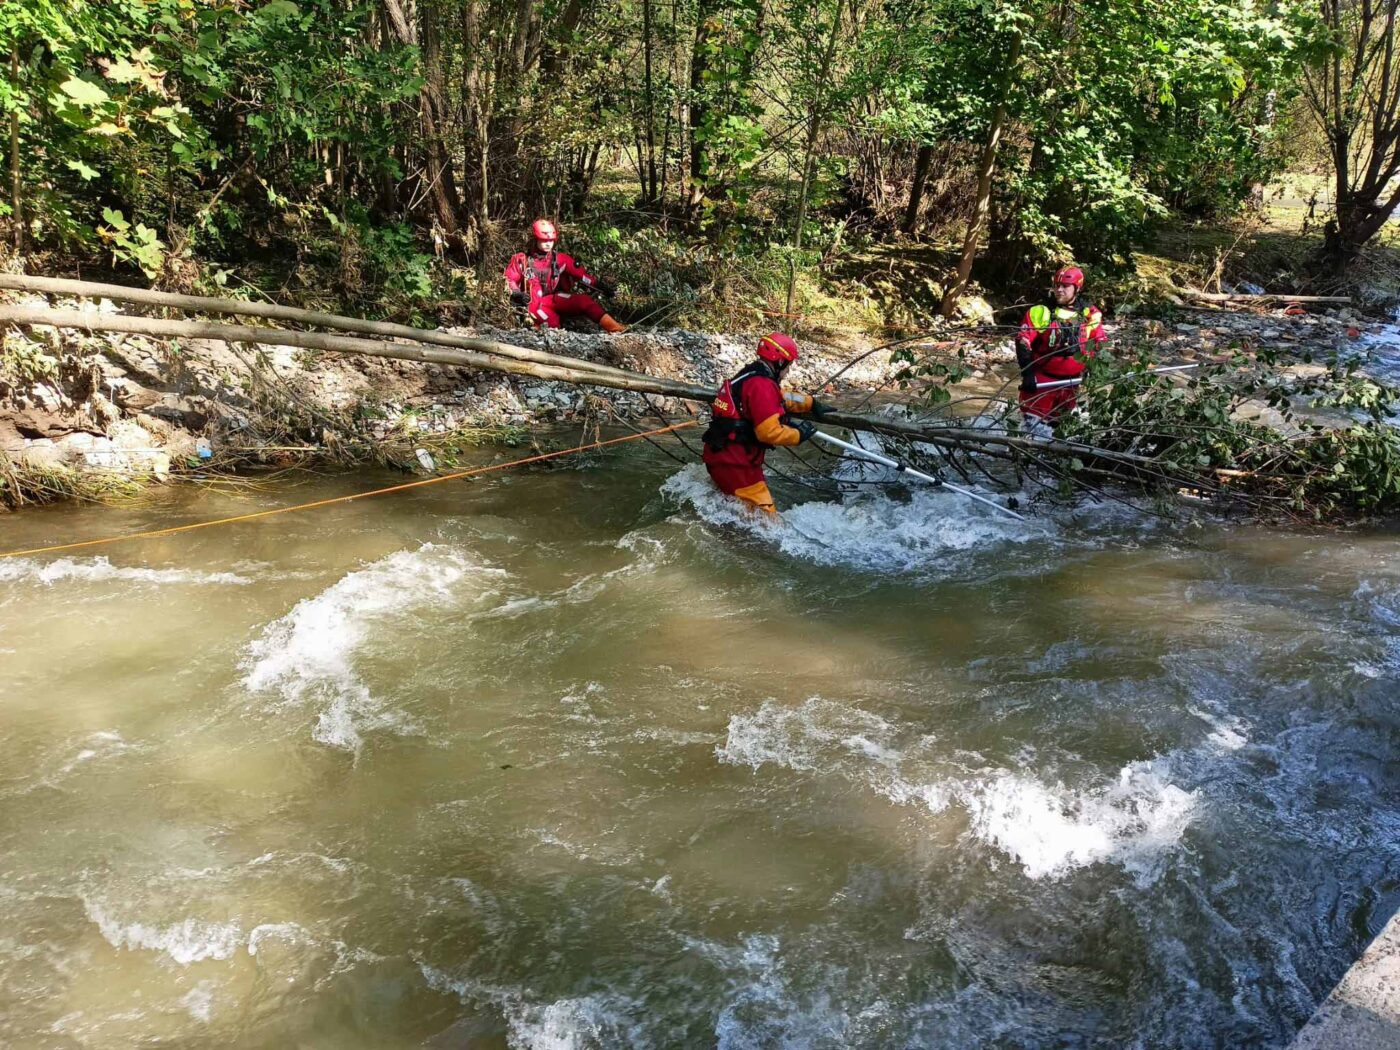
column 1059, row 383
column 875, row 457
column 729, row 425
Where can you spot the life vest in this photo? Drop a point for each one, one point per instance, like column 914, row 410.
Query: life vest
column 1063, row 327
column 544, row 277
column 728, row 423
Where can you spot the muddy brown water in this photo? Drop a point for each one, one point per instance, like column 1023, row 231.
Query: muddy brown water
column 576, row 757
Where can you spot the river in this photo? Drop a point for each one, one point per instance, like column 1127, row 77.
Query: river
column 575, row 757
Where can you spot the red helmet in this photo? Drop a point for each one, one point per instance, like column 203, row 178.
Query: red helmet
column 777, row 347
column 543, row 230
column 1070, row 275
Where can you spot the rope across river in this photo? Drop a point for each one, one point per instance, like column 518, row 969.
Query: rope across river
column 474, row 471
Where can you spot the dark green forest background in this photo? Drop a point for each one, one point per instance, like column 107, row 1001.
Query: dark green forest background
column 388, row 155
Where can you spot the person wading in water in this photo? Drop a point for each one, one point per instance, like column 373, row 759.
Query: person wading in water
column 542, row 281
column 751, row 415
column 1055, row 340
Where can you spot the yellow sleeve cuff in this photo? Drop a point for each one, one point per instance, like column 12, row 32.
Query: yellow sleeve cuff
column 772, row 432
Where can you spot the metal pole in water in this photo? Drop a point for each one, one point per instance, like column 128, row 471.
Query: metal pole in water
column 875, row 457
column 1059, row 383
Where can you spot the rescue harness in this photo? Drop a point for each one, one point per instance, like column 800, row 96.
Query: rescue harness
column 532, row 273
column 1064, row 329
column 729, row 425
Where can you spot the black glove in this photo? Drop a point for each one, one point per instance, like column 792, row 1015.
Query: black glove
column 804, row 427
column 520, row 298
column 604, row 285
column 820, row 410
column 1023, row 362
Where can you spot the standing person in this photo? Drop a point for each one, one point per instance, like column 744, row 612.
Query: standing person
column 751, row 416
column 542, row 280
column 1055, row 340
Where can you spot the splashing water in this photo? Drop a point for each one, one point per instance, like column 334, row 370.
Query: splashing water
column 932, row 531
column 309, row 654
column 1049, row 831
column 633, row 767
column 100, row 570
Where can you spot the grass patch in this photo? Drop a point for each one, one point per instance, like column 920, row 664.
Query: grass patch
column 23, row 483
column 1275, row 249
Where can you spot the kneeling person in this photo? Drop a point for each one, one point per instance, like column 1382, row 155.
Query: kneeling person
column 750, row 416
column 543, row 281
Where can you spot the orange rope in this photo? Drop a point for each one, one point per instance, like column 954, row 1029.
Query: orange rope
column 346, row 499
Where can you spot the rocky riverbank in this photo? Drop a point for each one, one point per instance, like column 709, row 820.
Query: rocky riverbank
column 86, row 414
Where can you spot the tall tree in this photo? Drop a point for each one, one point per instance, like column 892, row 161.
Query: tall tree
column 1354, row 93
column 439, row 183
column 1009, row 23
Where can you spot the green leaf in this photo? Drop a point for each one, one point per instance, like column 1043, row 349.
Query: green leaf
column 115, row 219
column 122, row 72
column 84, row 93
column 82, row 169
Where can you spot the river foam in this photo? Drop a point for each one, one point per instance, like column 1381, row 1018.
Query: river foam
column 308, row 655
column 571, row 1023
column 1050, row 830
column 185, row 942
column 100, row 570
column 1133, row 820
column 933, row 529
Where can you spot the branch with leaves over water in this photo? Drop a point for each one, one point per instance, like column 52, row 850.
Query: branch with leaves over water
column 1258, row 432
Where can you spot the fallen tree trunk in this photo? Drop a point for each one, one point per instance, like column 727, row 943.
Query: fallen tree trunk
column 272, row 312
column 344, row 344
column 945, row 435
column 1230, row 297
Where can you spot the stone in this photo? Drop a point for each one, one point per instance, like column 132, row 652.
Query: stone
column 1363, row 1011
column 133, row 397
column 181, row 411
column 130, row 436
column 41, row 452
column 976, row 309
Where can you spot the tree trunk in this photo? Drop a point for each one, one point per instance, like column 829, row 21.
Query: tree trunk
column 649, row 168
column 492, row 358
column 984, row 181
column 292, row 315
column 1356, row 99
column 814, row 127
column 16, row 182
column 442, row 190
column 476, row 137
column 699, row 63
column 916, row 191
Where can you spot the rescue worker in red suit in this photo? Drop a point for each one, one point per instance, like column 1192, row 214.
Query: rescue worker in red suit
column 751, row 415
column 1055, row 340
column 542, row 280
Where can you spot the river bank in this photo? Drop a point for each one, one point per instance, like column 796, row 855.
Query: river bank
column 93, row 415
column 105, row 410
